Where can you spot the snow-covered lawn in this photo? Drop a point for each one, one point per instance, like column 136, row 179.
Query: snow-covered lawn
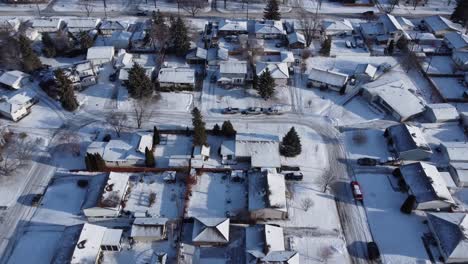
column 315, row 249
column 335, row 7
column 366, row 143
column 179, row 145
column 140, row 253
column 440, row 7
column 36, row 247
column 241, row 7
column 338, row 48
column 398, row 235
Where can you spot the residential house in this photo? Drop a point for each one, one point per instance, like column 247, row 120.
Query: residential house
column 149, row 229
column 197, row 56
column 49, row 24
column 179, row 78
column 123, row 152
column 461, row 60
column 427, row 185
column 17, row 105
column 232, row 73
column 139, row 40
column 77, row 25
column 120, row 39
column 210, row 231
column 407, row 142
column 10, row 25
column 456, row 41
column 92, row 241
column 15, row 79
column 440, row 26
column 438, row 113
column 287, row 57
column 392, row 27
column 337, row 27
column 365, row 72
column 110, row 201
column 269, row 29
column 200, row 155
column 228, row 27
column 296, row 40
column 108, row 27
column 85, row 69
column 278, row 70
column 450, row 231
column 405, row 23
column 123, row 73
column 328, row 79
column 267, row 196
column 459, row 173
column 392, row 97
column 373, row 31
column 100, row 55
column 454, row 151
column 124, row 60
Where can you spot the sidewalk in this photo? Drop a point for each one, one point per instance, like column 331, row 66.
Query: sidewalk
column 254, row 8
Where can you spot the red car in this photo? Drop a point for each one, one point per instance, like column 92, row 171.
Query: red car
column 356, row 190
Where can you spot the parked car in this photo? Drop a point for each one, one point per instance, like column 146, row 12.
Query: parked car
column 142, row 13
column 272, row 111
column 253, row 111
column 367, row 161
column 356, row 190
column 373, row 251
column 348, row 44
column 295, row 176
column 230, row 110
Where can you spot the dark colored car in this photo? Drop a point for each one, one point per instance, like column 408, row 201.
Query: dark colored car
column 367, row 162
column 142, row 13
column 373, row 251
column 294, row 176
column 230, row 110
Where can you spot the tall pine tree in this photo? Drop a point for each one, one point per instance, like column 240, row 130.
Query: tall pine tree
column 139, row 85
column 272, row 11
column 29, row 60
column 156, row 136
column 48, row 46
column 460, row 13
column 326, row 47
column 266, row 85
column 67, row 93
column 149, row 158
column 227, row 129
column 180, row 42
column 199, row 130
column 291, row 144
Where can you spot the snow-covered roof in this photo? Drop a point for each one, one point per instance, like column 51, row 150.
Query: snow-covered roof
column 418, row 35
column 223, row 53
column 328, row 77
column 177, row 75
column 443, row 111
column 288, row 257
column 198, row 53
column 232, row 25
column 451, row 230
column 113, row 25
column 263, row 150
column 82, row 24
column 210, row 230
column 101, row 52
column 390, row 23
column 112, row 237
column 201, row 150
column 16, row 100
column 49, row 22
column 123, row 149
column 396, row 96
column 296, row 37
column 404, row 22
column 425, row 182
column 121, row 36
column 267, row 190
column 461, row 170
column 114, row 191
column 457, row 40
column 124, row 59
column 337, row 25
column 89, row 244
column 13, row 78
column 269, row 27
column 278, row 70
column 10, row 24
column 367, row 69
column 149, row 227
column 277, row 191
column 462, row 56
column 233, row 67
column 455, row 151
column 286, row 56
column 407, row 137
column 437, row 23
column 274, row 238
column 372, row 28
column 123, row 73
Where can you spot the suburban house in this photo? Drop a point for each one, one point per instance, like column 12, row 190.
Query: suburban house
column 197, row 56
column 228, row 27
column 179, row 78
column 392, row 97
column 52, row 24
column 438, row 113
column 210, row 231
column 262, row 151
column 232, row 73
column 456, row 41
column 392, row 27
column 454, row 151
column 269, row 29
column 373, row 31
column 120, row 39
column 427, row 185
column 337, row 27
column 109, row 203
column 296, row 40
column 17, row 105
column 149, row 229
column 94, row 239
column 77, row 25
column 85, row 69
column 407, row 142
column 108, row 27
column 200, row 155
column 14, row 79
column 10, row 25
column 100, row 55
column 439, row 26
column 123, row 152
column 266, row 244
column 459, row 173
column 365, row 72
column 267, row 196
column 461, row 59
column 278, row 70
column 328, row 79
column 123, row 73
column 450, row 231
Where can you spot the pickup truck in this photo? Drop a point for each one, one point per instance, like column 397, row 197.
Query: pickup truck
column 253, row 111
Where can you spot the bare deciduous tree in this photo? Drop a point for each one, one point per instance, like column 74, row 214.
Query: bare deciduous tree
column 87, row 7
column 141, row 110
column 193, row 7
column 306, row 203
column 118, row 121
column 70, row 141
column 309, row 23
column 325, row 180
column 17, row 151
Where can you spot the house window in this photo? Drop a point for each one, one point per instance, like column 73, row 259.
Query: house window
column 229, row 157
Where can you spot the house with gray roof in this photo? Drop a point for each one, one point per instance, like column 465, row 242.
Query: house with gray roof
column 461, row 59
column 365, row 72
column 232, row 73
column 149, row 229
column 14, row 79
column 107, row 27
column 296, row 40
column 267, row 196
column 16, row 105
column 210, row 231
column 278, row 70
column 443, row 112
column 47, row 24
column 456, row 41
column 337, row 27
column 77, row 25
column 440, row 26
column 407, row 142
column 328, row 79
column 269, row 29
column 232, row 27
column 179, row 78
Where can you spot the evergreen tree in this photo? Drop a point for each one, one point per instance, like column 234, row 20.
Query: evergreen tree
column 139, row 85
column 86, row 41
column 67, row 96
column 149, row 158
column 266, row 85
column 180, row 42
column 291, row 144
column 216, row 130
column 48, row 46
column 156, row 136
column 158, row 18
column 227, row 129
column 199, row 130
column 100, row 163
column 326, row 46
column 460, row 13
column 29, row 60
column 391, row 47
column 272, row 10
column 90, row 162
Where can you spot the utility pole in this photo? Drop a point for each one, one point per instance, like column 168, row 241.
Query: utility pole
column 105, row 9
column 247, row 11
